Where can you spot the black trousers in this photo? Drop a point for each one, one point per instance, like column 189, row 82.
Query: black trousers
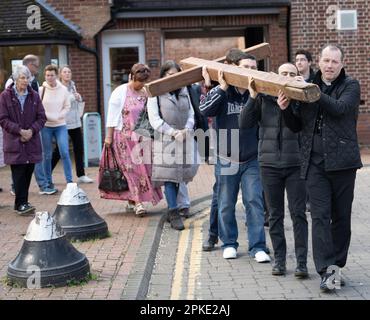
column 331, row 196
column 78, row 150
column 274, row 182
column 21, row 175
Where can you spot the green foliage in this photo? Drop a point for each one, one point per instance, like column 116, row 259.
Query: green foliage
column 82, row 282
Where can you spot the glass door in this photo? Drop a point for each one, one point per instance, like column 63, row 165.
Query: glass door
column 121, row 61
column 120, row 51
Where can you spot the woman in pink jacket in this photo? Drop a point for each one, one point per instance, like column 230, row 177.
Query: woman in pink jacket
column 55, row 98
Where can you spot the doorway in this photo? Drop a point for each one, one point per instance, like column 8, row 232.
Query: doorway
column 120, row 50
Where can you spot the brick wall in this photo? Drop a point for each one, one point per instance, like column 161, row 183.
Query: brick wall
column 83, row 65
column 90, row 16
column 153, row 38
column 205, row 48
column 154, row 29
column 309, row 30
column 93, row 16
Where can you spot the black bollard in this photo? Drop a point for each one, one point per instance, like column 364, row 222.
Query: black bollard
column 47, row 258
column 77, row 217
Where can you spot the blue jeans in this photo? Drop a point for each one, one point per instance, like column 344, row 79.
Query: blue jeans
column 248, row 176
column 213, row 216
column 40, row 172
column 183, row 200
column 61, row 136
column 170, row 190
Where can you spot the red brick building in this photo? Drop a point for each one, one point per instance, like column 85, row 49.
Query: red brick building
column 101, row 39
column 315, row 23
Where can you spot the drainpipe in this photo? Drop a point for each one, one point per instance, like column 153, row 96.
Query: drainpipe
column 95, row 53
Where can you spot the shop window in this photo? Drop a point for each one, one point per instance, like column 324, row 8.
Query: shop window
column 10, row 56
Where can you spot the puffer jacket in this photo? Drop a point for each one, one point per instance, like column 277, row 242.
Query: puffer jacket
column 278, row 146
column 339, row 137
column 174, row 161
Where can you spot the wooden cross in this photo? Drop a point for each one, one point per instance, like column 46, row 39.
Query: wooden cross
column 192, row 75
column 265, row 82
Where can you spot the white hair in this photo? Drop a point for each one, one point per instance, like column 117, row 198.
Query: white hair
column 21, row 70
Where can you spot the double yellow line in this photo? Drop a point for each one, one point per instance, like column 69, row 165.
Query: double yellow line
column 195, row 223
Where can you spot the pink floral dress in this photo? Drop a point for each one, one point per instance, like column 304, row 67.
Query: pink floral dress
column 125, row 145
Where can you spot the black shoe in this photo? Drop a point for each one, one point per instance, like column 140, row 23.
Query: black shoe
column 327, row 285
column 175, row 220
column 279, row 269
column 301, row 271
column 184, row 212
column 25, row 209
column 209, row 245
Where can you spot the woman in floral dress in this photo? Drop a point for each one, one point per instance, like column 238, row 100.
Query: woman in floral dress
column 125, row 105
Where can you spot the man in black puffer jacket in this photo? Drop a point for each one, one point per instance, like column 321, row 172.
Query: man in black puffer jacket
column 331, row 158
column 279, row 160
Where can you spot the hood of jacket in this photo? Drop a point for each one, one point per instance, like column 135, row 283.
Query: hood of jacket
column 57, row 87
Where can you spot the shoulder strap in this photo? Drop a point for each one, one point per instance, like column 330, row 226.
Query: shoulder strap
column 159, row 108
column 43, row 93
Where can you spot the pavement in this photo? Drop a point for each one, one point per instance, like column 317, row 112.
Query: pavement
column 143, row 258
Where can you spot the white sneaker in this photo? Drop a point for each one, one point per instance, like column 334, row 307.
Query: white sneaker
column 229, row 253
column 84, row 179
column 140, row 210
column 261, row 257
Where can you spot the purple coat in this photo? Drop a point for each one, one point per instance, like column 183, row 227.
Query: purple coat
column 12, row 120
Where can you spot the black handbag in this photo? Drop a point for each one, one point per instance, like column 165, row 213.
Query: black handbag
column 112, row 179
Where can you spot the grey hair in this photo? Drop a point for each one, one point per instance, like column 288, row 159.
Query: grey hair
column 21, row 70
column 30, row 58
column 333, row 47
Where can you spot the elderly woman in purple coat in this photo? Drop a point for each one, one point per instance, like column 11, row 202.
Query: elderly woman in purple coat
column 22, row 116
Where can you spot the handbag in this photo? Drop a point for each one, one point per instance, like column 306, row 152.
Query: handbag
column 143, row 126
column 112, row 179
column 80, row 108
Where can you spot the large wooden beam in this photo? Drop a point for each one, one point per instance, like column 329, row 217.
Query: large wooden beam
column 268, row 83
column 192, row 75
